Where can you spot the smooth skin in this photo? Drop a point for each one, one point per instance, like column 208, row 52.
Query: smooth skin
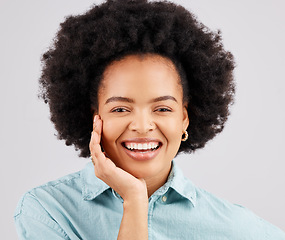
column 139, row 97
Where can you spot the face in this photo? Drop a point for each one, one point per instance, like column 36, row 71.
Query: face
column 140, row 104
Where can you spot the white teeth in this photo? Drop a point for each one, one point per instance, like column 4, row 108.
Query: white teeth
column 140, row 146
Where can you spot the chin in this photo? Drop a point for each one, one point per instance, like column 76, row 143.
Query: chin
column 146, row 171
column 142, row 174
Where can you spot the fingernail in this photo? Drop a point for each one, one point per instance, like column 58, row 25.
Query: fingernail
column 96, row 118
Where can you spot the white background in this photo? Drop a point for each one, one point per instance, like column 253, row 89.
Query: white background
column 244, row 164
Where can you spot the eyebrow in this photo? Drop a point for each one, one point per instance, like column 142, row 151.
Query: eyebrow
column 129, row 100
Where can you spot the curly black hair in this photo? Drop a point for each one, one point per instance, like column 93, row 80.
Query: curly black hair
column 86, row 44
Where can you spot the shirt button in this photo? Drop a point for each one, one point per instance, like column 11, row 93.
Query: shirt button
column 164, row 198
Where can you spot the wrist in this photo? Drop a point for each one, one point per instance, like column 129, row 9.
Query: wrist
column 137, row 201
column 137, row 193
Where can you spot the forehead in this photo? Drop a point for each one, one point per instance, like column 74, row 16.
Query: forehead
column 151, row 75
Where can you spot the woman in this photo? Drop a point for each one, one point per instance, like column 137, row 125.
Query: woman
column 149, row 81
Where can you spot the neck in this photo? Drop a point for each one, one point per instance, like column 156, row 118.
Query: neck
column 156, row 182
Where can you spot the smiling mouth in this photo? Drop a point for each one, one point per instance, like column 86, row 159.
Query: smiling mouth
column 142, row 147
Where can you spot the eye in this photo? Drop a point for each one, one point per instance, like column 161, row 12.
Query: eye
column 163, row 110
column 119, row 109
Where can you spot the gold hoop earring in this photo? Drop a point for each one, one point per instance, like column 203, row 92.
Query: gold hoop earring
column 185, row 137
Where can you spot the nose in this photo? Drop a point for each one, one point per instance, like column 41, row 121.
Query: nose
column 142, row 122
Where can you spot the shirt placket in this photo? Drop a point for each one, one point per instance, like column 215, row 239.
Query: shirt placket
column 153, row 200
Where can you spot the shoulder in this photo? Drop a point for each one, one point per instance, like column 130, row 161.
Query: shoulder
column 38, row 212
column 36, row 200
column 240, row 221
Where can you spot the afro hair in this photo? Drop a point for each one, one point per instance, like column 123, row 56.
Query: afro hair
column 86, row 44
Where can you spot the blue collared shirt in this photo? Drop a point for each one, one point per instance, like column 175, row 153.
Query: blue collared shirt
column 81, row 206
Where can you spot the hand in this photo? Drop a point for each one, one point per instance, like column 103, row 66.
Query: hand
column 125, row 184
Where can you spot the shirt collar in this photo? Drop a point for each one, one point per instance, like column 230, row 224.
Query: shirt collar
column 93, row 186
column 178, row 182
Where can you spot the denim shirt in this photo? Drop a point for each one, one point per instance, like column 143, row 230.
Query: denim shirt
column 81, row 206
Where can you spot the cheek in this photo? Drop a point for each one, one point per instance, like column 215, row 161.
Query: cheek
column 171, row 132
column 171, row 128
column 112, row 129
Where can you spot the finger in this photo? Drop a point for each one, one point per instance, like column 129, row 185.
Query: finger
column 98, row 126
column 106, row 155
column 95, row 119
column 100, row 166
column 99, row 155
column 95, row 148
column 95, row 139
column 93, row 142
column 96, row 122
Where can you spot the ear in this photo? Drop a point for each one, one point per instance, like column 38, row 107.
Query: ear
column 185, row 120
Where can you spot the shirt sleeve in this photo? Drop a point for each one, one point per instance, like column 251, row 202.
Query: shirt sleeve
column 34, row 222
column 273, row 232
column 254, row 227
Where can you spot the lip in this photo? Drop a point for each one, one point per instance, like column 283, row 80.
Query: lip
column 139, row 156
